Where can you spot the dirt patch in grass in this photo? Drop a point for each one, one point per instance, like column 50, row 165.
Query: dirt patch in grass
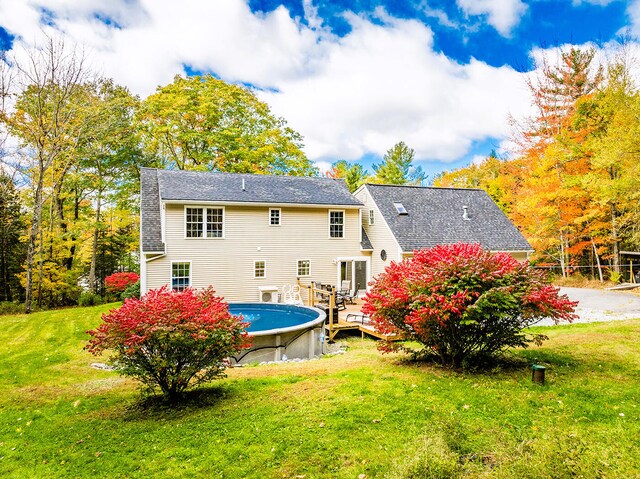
column 578, row 281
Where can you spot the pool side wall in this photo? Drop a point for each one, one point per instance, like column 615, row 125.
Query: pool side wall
column 306, row 341
column 294, row 345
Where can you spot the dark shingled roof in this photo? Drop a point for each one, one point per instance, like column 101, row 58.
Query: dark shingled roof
column 194, row 186
column 435, row 216
column 365, row 244
column 227, row 187
column 150, row 226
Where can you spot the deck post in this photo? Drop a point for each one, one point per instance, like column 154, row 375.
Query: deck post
column 311, row 295
column 332, row 302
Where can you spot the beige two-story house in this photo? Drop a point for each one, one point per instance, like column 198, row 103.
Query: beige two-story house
column 248, row 235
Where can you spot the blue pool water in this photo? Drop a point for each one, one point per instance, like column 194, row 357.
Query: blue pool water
column 268, row 316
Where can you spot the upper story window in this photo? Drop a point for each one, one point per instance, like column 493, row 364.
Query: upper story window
column 204, row 222
column 180, row 276
column 336, row 224
column 194, row 218
column 372, row 217
column 274, row 216
column 215, row 219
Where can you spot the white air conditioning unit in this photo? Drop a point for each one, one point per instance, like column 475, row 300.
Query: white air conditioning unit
column 268, row 294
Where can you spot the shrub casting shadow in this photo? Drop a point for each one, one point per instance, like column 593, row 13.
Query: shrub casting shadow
column 510, row 361
column 150, row 406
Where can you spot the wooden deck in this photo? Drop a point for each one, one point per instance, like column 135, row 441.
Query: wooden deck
column 358, row 322
column 349, row 319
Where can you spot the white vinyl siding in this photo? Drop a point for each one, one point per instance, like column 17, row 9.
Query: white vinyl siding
column 228, row 265
column 201, row 222
column 336, row 224
column 380, row 236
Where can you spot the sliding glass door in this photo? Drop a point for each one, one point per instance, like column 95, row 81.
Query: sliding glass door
column 354, row 271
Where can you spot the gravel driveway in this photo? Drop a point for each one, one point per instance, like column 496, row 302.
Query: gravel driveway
column 598, row 305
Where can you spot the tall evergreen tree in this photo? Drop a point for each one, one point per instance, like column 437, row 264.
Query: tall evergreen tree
column 397, row 167
column 12, row 252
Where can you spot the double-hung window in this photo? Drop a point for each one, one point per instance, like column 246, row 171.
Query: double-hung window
column 336, row 224
column 215, row 219
column 259, row 269
column 304, row 267
column 194, row 217
column 204, row 222
column 274, row 216
column 372, row 217
column 180, row 276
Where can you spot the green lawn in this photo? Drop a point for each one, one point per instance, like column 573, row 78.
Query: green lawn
column 341, row 416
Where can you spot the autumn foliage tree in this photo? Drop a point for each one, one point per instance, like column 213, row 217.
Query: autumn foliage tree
column 203, row 123
column 170, row 340
column 118, row 282
column 354, row 174
column 462, row 303
column 573, row 189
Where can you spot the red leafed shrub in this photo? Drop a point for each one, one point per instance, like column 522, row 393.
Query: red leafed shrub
column 118, row 282
column 463, row 303
column 170, row 339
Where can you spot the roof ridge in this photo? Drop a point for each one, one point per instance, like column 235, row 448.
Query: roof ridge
column 425, row 187
column 224, row 173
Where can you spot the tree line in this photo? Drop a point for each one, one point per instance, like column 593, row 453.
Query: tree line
column 71, row 147
column 574, row 188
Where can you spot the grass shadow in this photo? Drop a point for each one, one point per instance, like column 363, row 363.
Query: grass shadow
column 507, row 362
column 550, row 358
column 155, row 406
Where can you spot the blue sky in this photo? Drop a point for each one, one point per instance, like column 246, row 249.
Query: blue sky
column 545, row 23
column 353, row 77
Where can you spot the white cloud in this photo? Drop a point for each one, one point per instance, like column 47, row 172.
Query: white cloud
column 478, row 159
column 602, row 3
column 633, row 12
column 384, row 83
column 503, row 15
column 323, row 166
column 381, row 83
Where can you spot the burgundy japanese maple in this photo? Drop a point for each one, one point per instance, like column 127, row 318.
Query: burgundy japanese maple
column 170, row 339
column 462, row 302
column 118, row 282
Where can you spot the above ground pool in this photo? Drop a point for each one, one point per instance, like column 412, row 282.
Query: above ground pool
column 280, row 331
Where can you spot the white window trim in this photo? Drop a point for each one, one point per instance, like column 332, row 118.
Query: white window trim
column 171, row 272
column 372, row 217
column 204, row 221
column 254, row 268
column 279, row 217
column 298, row 268
column 344, row 225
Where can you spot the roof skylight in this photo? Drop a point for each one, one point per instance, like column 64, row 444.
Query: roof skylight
column 401, row 209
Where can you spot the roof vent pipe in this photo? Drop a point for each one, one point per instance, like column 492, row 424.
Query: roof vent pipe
column 243, row 184
column 465, row 213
